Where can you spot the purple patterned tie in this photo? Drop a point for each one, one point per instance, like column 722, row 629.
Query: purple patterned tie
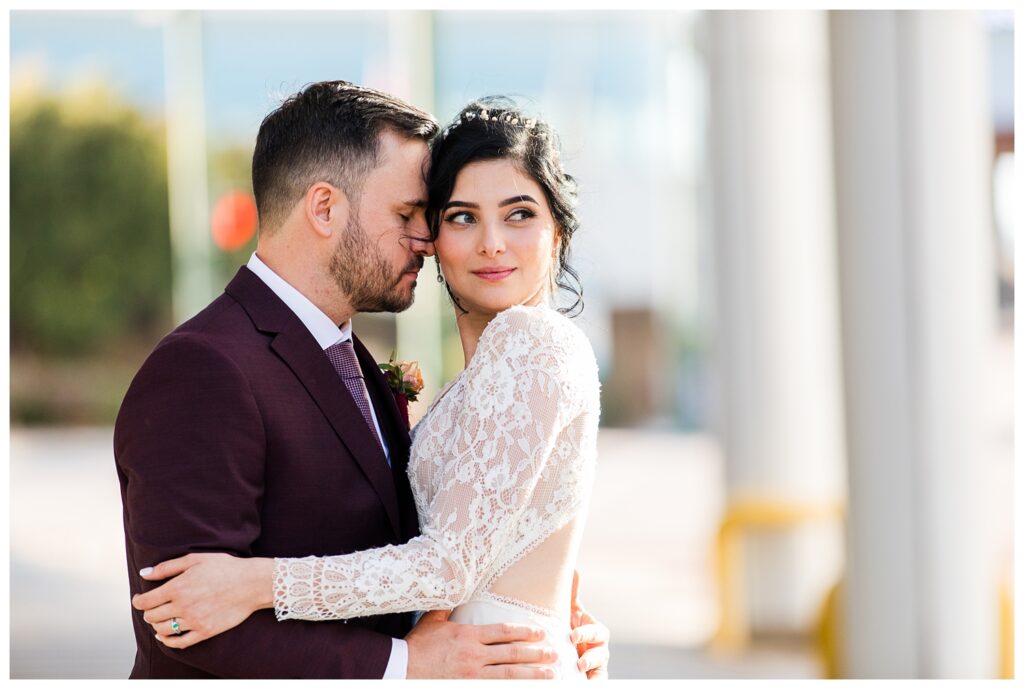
column 343, row 357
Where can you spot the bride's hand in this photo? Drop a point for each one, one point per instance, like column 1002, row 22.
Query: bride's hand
column 209, row 594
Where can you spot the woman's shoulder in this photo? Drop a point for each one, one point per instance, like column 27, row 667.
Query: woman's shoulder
column 537, row 331
column 540, row 322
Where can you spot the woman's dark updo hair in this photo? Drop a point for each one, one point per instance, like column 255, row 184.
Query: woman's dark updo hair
column 494, row 128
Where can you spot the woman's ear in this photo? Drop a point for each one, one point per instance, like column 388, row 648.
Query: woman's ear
column 327, row 208
column 557, row 244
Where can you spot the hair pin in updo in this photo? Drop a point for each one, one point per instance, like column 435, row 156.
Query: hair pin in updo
column 487, row 116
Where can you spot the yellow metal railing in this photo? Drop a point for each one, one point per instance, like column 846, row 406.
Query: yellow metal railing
column 829, row 633
column 753, row 515
column 1006, row 628
column 768, row 515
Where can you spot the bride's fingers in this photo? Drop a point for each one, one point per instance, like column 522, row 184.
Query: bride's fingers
column 152, row 599
column 167, row 568
column 166, row 628
column 163, row 613
column 183, row 641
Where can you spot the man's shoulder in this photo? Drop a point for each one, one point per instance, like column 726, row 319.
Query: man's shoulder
column 222, row 316
column 203, row 353
column 217, row 334
column 222, row 324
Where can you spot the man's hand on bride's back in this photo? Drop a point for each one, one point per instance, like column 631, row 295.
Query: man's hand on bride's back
column 589, row 636
column 442, row 649
column 208, row 594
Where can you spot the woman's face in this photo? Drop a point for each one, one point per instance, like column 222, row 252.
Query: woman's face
column 497, row 241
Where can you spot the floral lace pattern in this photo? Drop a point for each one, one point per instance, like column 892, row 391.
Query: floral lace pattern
column 500, row 462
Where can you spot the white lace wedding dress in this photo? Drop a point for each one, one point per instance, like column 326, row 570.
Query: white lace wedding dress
column 501, row 468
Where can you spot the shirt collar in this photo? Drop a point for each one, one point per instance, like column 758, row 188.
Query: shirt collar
column 323, row 329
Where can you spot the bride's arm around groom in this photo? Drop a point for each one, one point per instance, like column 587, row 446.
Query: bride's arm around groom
column 192, row 460
column 221, row 447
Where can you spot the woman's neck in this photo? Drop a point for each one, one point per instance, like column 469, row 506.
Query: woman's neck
column 471, row 327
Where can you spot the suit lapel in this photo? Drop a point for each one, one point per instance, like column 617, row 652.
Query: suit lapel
column 299, row 350
column 388, row 414
column 393, row 424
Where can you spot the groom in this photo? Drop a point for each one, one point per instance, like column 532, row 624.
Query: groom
column 239, row 435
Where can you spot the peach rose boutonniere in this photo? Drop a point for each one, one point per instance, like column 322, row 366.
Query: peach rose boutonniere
column 405, row 380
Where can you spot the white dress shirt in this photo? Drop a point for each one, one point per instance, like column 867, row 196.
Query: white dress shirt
column 327, row 333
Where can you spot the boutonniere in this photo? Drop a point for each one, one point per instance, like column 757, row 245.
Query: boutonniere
column 405, row 380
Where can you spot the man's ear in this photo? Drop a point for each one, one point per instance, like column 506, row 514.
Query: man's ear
column 326, row 208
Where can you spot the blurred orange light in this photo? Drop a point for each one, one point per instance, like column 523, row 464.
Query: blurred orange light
column 233, row 221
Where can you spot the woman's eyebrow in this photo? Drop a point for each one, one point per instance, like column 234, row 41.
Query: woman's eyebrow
column 517, row 199
column 461, row 204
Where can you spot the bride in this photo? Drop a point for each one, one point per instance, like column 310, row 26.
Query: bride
column 502, row 462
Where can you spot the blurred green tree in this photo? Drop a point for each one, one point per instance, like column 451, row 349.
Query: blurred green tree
column 90, row 245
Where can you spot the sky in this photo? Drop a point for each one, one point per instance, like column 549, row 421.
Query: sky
column 253, row 59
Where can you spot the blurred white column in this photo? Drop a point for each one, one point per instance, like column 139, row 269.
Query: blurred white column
column 913, row 150
column 776, row 340
column 192, row 270
column 411, row 66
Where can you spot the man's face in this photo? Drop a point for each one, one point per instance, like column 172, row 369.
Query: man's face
column 381, row 250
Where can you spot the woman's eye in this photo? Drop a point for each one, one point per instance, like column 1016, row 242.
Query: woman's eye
column 460, row 218
column 521, row 214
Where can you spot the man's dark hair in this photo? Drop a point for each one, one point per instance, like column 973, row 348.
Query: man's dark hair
column 327, row 132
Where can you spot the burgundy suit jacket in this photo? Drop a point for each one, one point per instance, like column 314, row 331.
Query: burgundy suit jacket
column 238, row 436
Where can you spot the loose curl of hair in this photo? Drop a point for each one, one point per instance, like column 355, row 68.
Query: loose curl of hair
column 532, row 145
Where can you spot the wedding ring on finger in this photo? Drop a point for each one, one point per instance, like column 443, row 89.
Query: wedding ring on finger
column 175, row 626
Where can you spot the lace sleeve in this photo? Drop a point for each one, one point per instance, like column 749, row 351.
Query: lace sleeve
column 520, row 392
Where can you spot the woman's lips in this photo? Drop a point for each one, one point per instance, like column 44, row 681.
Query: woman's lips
column 493, row 274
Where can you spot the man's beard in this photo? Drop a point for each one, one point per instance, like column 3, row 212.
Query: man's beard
column 365, row 276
